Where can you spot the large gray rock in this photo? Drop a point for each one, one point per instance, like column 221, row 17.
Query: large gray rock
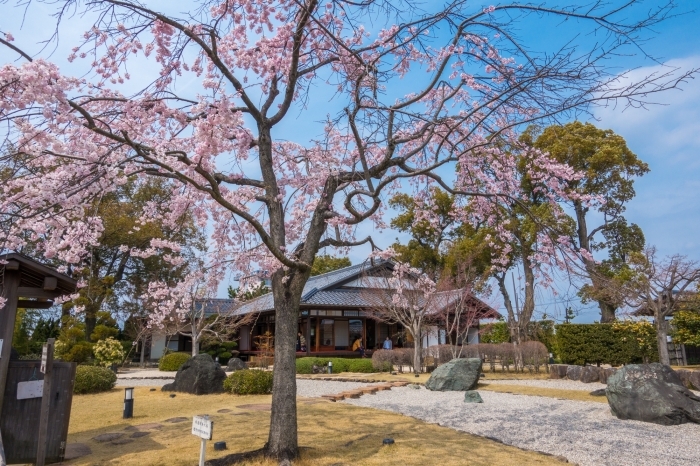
column 684, row 375
column 651, row 393
column 557, row 371
column 694, row 379
column 589, row 374
column 457, row 375
column 235, row 364
column 574, row 372
column 200, row 375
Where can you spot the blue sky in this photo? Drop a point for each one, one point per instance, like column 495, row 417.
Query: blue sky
column 666, row 135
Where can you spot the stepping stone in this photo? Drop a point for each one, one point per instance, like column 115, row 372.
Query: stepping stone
column 108, row 437
column 255, row 407
column 76, row 450
column 400, row 384
column 224, row 411
column 352, row 394
column 175, row 420
column 121, row 441
column 334, row 398
column 139, row 434
column 369, row 390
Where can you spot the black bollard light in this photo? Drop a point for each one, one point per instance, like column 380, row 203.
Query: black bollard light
column 330, row 367
column 128, row 403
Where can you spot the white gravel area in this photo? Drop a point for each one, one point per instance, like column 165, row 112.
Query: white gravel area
column 316, row 388
column 585, row 433
column 142, row 382
column 561, row 384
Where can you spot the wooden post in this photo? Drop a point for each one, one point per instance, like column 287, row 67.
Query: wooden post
column 8, row 314
column 47, row 369
column 318, row 333
column 308, row 335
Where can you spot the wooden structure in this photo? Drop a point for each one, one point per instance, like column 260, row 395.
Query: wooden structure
column 25, row 284
column 20, row 418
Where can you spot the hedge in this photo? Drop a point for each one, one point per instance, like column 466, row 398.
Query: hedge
column 93, row 379
column 249, row 382
column 600, row 344
column 305, row 365
column 173, row 361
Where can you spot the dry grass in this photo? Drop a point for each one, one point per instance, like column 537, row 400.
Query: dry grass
column 330, row 433
column 422, row 378
column 576, row 395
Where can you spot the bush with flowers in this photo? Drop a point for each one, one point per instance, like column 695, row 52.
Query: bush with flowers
column 108, row 352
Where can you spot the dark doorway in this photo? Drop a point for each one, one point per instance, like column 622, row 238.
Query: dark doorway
column 371, row 334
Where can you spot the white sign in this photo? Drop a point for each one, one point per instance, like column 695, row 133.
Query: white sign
column 202, row 427
column 44, row 357
column 31, row 389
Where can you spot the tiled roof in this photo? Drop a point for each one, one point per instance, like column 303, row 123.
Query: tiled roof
column 319, row 282
column 216, row 306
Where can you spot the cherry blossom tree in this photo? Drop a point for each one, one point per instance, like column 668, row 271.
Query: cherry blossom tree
column 415, row 94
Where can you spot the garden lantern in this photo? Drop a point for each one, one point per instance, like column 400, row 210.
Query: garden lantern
column 128, row 403
column 330, row 367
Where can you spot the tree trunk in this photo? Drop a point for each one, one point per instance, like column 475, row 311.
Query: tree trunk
column 142, row 358
column 90, row 321
column 607, row 312
column 282, row 443
column 661, row 340
column 416, row 355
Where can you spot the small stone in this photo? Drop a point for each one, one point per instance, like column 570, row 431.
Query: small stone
column 175, row 420
column 219, row 446
column 388, row 441
column 599, row 392
column 414, row 386
column 76, row 450
column 472, row 396
column 139, row 434
column 224, row 411
column 152, row 390
column 121, row 441
column 172, row 395
column 235, row 364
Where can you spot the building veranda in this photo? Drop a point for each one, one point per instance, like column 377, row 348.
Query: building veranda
column 336, row 309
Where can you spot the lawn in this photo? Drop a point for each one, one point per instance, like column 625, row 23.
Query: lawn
column 329, row 433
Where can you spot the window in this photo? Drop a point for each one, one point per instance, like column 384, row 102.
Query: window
column 351, row 313
column 355, row 329
column 326, row 332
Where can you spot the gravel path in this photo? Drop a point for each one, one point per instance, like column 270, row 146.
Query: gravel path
column 316, row 388
column 583, row 432
column 142, row 382
column 559, row 384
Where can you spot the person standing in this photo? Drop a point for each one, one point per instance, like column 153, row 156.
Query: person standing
column 387, row 344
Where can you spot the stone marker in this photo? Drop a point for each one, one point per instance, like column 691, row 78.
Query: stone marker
column 457, row 375
column 651, row 393
column 472, row 396
column 200, row 375
column 235, row 364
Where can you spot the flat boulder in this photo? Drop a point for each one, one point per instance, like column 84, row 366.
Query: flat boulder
column 574, row 372
column 235, row 364
column 651, row 393
column 200, row 375
column 590, row 374
column 457, row 375
column 557, row 371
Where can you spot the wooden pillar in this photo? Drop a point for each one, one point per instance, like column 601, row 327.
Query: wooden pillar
column 308, row 334
column 364, row 334
column 8, row 314
column 318, row 333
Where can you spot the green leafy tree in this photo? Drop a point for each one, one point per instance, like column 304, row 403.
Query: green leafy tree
column 112, row 271
column 609, row 168
column 324, row 263
column 686, row 328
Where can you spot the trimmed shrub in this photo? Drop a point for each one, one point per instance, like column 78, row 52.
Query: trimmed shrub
column 360, row 365
column 249, row 382
column 173, row 361
column 93, row 379
column 305, row 365
column 582, row 344
column 108, row 352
